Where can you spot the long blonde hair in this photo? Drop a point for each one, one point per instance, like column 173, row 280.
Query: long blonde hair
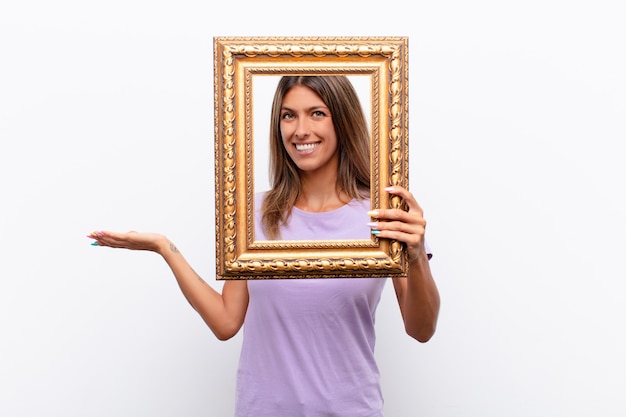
column 353, row 141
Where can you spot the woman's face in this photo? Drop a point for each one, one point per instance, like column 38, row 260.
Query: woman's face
column 307, row 130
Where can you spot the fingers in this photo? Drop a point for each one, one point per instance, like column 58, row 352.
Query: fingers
column 96, row 235
column 398, row 225
column 113, row 239
column 130, row 240
column 408, row 198
column 405, row 226
column 413, row 214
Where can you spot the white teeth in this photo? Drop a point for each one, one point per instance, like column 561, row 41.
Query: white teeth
column 303, row 147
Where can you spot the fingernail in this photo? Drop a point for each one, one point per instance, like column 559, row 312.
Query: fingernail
column 375, row 232
column 95, row 244
column 372, row 224
column 389, row 188
column 373, row 213
column 100, row 233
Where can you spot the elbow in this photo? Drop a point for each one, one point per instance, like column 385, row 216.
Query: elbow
column 422, row 332
column 223, row 335
column 419, row 306
column 226, row 332
column 224, row 328
column 422, row 325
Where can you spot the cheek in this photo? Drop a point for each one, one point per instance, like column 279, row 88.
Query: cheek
column 281, row 131
column 285, row 133
column 329, row 131
column 287, row 149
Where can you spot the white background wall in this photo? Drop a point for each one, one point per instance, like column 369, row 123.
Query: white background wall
column 517, row 119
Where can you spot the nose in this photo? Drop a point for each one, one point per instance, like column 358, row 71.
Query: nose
column 302, row 128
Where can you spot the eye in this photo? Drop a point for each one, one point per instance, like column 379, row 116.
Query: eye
column 319, row 113
column 287, row 116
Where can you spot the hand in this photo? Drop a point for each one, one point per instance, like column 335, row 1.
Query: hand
column 408, row 227
column 132, row 240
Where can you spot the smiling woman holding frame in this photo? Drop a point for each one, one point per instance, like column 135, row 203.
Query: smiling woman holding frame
column 308, row 346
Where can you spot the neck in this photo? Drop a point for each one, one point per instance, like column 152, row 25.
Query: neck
column 319, row 193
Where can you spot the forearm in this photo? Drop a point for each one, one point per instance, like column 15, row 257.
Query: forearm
column 419, row 301
column 223, row 313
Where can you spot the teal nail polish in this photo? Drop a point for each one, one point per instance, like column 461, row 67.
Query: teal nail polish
column 375, row 232
column 95, row 244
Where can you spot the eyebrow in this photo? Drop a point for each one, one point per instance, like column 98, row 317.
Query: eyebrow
column 321, row 106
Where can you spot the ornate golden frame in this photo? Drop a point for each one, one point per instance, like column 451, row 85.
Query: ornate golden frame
column 236, row 61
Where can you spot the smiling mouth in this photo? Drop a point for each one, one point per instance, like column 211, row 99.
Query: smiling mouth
column 306, row 147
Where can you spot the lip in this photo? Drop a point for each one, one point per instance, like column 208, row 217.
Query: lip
column 305, row 148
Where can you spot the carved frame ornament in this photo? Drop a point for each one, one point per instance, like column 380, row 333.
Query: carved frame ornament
column 236, row 61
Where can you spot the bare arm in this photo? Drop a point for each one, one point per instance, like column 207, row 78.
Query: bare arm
column 417, row 295
column 223, row 313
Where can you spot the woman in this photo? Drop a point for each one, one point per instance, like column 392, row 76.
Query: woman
column 308, row 345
